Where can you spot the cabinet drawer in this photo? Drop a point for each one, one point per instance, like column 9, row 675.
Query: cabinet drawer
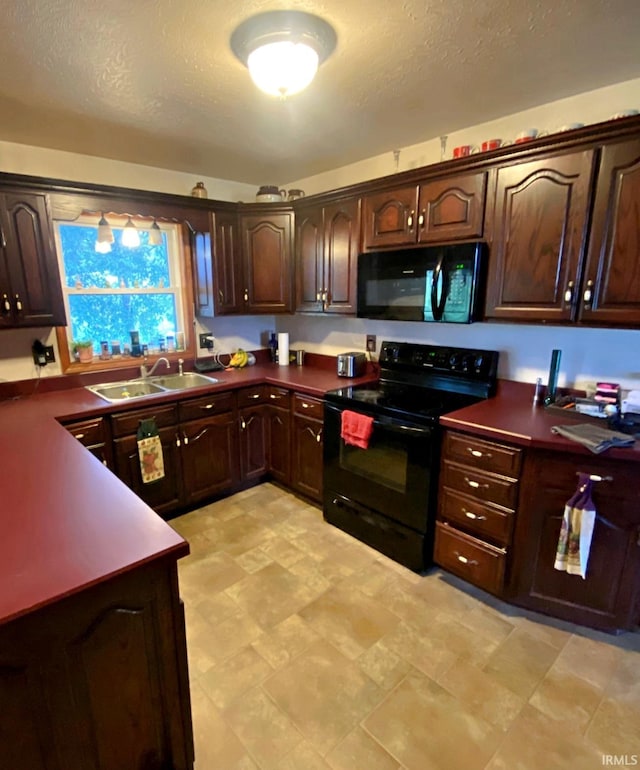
column 309, row 407
column 205, row 406
column 88, row 432
column 475, row 561
column 252, row 396
column 128, row 422
column 481, row 519
column 482, row 454
column 278, row 396
column 481, row 485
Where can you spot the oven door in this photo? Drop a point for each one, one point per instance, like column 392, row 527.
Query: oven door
column 395, row 475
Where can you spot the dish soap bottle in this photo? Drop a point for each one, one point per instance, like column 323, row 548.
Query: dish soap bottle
column 273, row 347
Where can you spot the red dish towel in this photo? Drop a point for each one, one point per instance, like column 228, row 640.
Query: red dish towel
column 356, row 429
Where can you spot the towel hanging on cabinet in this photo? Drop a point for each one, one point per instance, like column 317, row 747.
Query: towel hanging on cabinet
column 576, row 530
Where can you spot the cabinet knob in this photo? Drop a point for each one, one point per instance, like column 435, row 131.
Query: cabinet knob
column 475, row 484
column 588, row 293
column 246, row 295
column 243, row 424
column 474, row 516
column 421, row 219
column 6, row 305
column 18, row 303
column 178, row 442
column 464, row 560
column 410, row 219
column 3, row 240
column 319, row 297
column 478, row 453
column 220, row 295
column 568, row 294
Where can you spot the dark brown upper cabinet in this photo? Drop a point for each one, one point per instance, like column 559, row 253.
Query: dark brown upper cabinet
column 327, row 246
column 438, row 211
column 227, row 265
column 610, row 292
column 539, row 234
column 267, row 262
column 30, row 290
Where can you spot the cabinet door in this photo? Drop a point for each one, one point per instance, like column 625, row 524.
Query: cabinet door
column 208, row 453
column 309, row 259
column 341, row 247
column 30, row 292
column 452, row 208
column 278, row 444
column 539, row 235
column 608, row 596
column 306, row 472
column 253, row 445
column 266, row 247
column 227, row 265
column 164, row 495
column 390, row 218
column 203, row 275
column 611, row 285
column 95, row 681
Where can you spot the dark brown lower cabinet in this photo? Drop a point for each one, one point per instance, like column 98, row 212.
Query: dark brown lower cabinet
column 164, row 495
column 99, row 680
column 279, row 444
column 306, row 444
column 253, row 447
column 609, row 597
column 208, row 457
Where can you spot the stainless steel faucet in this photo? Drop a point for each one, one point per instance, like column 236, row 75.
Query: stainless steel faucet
column 180, row 363
column 147, row 373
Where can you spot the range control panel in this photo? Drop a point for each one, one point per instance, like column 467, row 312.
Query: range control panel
column 437, row 359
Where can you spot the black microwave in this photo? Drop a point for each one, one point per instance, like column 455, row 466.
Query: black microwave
column 433, row 283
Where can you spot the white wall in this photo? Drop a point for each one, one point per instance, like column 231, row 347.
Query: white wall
column 591, row 107
column 587, row 354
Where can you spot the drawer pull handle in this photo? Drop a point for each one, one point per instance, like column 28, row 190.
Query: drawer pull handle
column 254, row 395
column 474, row 516
column 305, row 405
column 207, row 406
column 78, row 435
column 478, row 453
column 463, row 560
column 475, row 484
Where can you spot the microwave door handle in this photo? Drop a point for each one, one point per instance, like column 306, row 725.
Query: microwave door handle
column 437, row 306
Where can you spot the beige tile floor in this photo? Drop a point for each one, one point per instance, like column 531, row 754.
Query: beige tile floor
column 308, row 651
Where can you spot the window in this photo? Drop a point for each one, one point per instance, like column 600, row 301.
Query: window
column 126, row 297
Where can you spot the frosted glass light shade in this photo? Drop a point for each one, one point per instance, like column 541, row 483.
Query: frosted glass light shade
column 103, row 247
column 283, row 49
column 155, row 235
column 283, row 68
column 130, row 236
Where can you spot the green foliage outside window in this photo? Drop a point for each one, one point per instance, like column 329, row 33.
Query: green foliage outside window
column 110, row 295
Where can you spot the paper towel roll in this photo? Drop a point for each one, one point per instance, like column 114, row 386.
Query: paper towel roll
column 283, row 348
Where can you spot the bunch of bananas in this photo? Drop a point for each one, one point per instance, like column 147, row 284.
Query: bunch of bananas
column 239, row 359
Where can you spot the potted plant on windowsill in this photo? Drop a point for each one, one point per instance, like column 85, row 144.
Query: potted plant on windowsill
column 83, row 351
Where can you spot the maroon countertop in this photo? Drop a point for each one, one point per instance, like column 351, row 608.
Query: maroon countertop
column 68, row 522
column 511, row 416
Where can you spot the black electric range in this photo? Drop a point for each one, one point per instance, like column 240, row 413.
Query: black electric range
column 385, row 494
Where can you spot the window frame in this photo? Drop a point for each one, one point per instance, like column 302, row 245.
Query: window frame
column 69, row 365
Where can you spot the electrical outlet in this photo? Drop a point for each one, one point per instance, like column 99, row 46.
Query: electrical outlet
column 371, row 343
column 49, row 354
column 42, row 354
column 206, row 341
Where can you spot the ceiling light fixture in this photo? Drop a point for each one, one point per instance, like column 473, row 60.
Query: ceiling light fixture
column 155, row 234
column 283, row 49
column 130, row 236
column 105, row 237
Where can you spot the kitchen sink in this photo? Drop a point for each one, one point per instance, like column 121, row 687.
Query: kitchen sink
column 114, row 392
column 180, row 381
column 124, row 391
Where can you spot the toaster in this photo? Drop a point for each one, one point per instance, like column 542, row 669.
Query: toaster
column 351, row 364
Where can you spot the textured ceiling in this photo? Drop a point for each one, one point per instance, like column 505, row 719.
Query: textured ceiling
column 155, row 82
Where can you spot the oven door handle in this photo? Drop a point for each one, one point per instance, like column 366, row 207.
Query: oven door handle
column 398, row 428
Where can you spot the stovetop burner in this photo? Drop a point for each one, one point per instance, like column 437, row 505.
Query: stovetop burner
column 422, row 382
